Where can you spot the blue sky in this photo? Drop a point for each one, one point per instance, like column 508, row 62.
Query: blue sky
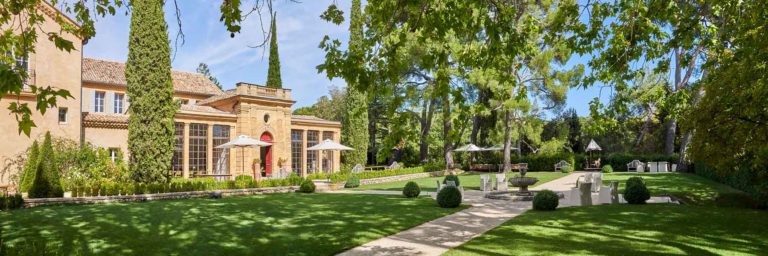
column 232, row 60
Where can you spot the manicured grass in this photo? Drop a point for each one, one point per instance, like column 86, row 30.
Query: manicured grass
column 279, row 224
column 627, row 230
column 468, row 181
column 689, row 187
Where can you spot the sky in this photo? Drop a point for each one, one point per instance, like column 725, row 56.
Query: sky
column 299, row 30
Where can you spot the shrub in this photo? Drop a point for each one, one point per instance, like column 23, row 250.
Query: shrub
column 607, row 169
column 452, row 177
column 449, row 197
column 565, row 169
column 411, row 189
column 433, row 167
column 30, row 167
column 307, row 186
column 636, row 192
column 546, row 200
column 243, row 178
column 47, row 182
column 294, row 179
column 11, row 202
column 352, row 182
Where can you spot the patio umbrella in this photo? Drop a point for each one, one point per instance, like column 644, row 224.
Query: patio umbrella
column 469, row 148
column 329, row 145
column 498, row 147
column 244, row 141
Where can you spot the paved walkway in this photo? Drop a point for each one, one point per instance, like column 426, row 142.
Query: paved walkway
column 439, row 235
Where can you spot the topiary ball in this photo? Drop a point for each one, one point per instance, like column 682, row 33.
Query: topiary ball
column 451, row 177
column 449, row 197
column 411, row 190
column 565, row 169
column 607, row 168
column 307, row 187
column 636, row 192
column 352, row 182
column 546, row 200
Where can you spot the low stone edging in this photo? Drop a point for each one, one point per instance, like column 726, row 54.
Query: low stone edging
column 33, row 202
column 401, row 177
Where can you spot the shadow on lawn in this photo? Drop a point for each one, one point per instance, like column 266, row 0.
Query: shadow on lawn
column 627, row 230
column 691, row 188
column 288, row 224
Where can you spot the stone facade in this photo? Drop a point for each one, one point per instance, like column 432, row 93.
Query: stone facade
column 208, row 116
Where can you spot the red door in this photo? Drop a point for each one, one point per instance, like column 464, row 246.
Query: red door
column 266, row 155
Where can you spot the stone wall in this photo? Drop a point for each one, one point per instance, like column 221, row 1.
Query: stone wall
column 150, row 197
column 401, row 177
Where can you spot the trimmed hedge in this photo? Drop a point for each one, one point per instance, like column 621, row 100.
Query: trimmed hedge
column 451, row 177
column 307, row 187
column 411, row 189
column 636, row 192
column 352, row 182
column 545, row 200
column 742, row 178
column 621, row 160
column 449, row 197
column 181, row 185
column 566, row 169
column 8, row 203
column 606, row 169
column 339, row 176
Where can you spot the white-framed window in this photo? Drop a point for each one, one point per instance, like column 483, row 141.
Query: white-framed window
column 113, row 154
column 63, row 115
column 98, row 101
column 118, row 104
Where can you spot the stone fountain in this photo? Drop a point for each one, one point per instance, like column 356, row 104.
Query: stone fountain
column 522, row 194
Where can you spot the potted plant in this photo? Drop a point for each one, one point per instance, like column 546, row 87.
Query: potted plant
column 281, row 161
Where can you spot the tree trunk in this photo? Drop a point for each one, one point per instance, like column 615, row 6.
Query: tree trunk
column 671, row 131
column 507, row 141
column 519, row 139
column 646, row 126
column 682, row 162
column 447, row 150
column 473, row 134
column 427, row 112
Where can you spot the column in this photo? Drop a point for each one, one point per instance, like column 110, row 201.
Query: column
column 209, row 153
column 304, row 153
column 185, row 152
column 233, row 153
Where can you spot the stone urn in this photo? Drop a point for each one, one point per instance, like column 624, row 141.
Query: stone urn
column 523, row 183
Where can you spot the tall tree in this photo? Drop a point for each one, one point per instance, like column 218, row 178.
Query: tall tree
column 148, row 74
column 356, row 122
column 273, row 74
column 203, row 69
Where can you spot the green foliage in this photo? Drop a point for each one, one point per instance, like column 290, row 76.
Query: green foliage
column 339, row 177
column 352, row 182
column 743, row 179
column 449, row 197
column 636, row 192
column 566, row 169
column 451, row 177
column 203, row 69
column 307, row 187
column 545, row 200
column 150, row 88
column 331, row 108
column 606, row 169
column 434, row 166
column 273, row 73
column 47, row 182
column 30, row 167
column 411, row 190
column 11, row 202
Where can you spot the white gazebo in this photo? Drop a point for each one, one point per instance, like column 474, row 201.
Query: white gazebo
column 244, row 141
column 329, row 145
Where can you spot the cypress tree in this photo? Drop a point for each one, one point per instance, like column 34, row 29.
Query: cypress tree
column 148, row 74
column 30, row 167
column 47, row 181
column 273, row 74
column 354, row 132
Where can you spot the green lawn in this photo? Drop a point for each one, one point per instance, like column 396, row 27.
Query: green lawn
column 691, row 188
column 627, row 230
column 468, row 181
column 278, row 224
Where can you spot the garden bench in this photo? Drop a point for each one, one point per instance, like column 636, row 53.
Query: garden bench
column 559, row 166
column 393, row 166
column 482, row 167
column 521, row 167
column 635, row 166
column 358, row 168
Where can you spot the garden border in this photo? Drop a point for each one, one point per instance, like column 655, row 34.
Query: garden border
column 34, row 202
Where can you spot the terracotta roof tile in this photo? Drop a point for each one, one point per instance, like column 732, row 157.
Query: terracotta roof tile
column 202, row 109
column 111, row 72
column 224, row 95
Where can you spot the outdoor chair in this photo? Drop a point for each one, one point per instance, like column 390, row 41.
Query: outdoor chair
column 393, row 166
column 604, row 197
column 559, row 166
column 635, row 166
column 653, row 167
column 674, row 168
column 663, row 167
column 597, row 181
column 485, row 183
column 501, row 182
column 439, row 186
